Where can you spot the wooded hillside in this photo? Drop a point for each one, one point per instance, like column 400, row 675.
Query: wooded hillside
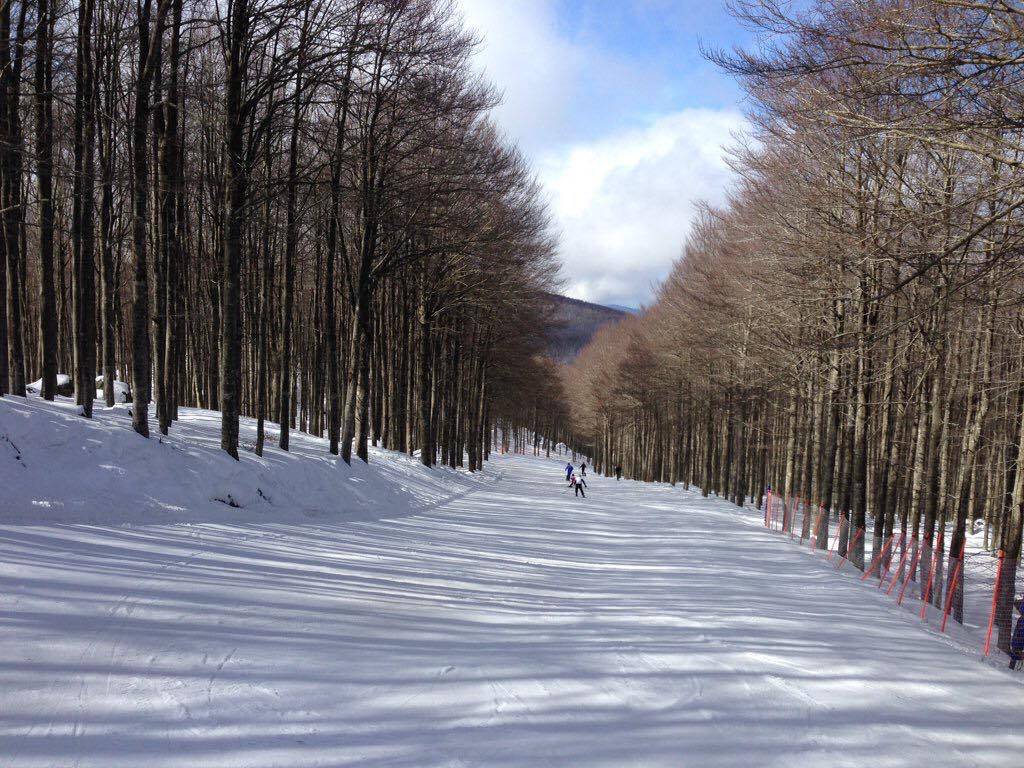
column 298, row 211
column 573, row 323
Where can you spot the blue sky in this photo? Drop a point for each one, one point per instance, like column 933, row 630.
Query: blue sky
column 624, row 121
column 654, row 65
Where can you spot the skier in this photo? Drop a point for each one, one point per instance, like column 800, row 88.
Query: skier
column 1017, row 639
column 568, row 472
column 618, row 471
column 579, row 484
column 583, row 469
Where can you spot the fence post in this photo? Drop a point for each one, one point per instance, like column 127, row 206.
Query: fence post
column 913, row 567
column 927, row 592
column 903, row 562
column 768, row 509
column 850, row 545
column 901, row 545
column 877, row 559
column 834, row 547
column 813, row 538
column 952, row 585
column 995, row 601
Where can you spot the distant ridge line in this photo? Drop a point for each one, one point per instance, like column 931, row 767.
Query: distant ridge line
column 580, row 302
column 573, row 323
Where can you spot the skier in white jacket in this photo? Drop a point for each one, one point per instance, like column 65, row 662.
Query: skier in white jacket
column 579, row 484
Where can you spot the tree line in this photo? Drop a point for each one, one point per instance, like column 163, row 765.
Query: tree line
column 294, row 211
column 847, row 328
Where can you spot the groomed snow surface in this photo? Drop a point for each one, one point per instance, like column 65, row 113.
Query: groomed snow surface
column 395, row 616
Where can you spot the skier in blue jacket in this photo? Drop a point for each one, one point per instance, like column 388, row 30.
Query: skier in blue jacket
column 568, row 471
column 1017, row 638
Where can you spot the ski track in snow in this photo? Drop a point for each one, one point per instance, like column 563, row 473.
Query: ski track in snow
column 506, row 625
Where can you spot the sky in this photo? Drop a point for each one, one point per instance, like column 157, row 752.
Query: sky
column 623, row 120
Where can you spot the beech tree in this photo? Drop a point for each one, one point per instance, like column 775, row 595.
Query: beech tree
column 846, row 330
column 294, row 212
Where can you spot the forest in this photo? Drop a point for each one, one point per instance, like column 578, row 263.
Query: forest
column 433, row 383
column 295, row 211
column 303, row 213
column 847, row 329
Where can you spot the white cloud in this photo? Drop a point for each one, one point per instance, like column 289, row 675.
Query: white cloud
column 536, row 69
column 626, row 202
column 623, row 187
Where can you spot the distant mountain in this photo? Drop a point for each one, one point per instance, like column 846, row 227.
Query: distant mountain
column 574, row 322
column 627, row 310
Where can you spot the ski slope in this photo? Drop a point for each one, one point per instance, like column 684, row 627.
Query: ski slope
column 499, row 623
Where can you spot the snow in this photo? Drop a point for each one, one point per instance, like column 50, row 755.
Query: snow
column 36, row 386
column 57, row 466
column 978, row 579
column 390, row 615
column 122, row 392
column 63, row 380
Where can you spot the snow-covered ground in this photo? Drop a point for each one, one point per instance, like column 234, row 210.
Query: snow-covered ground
column 977, row 578
column 56, row 466
column 394, row 616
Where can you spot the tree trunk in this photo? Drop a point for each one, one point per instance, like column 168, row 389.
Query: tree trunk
column 44, row 171
column 235, row 186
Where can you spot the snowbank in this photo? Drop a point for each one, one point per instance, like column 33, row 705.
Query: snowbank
column 64, row 386
column 56, row 466
column 122, row 392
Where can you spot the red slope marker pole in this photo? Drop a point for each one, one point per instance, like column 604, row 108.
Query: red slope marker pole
column 883, row 575
column 817, row 526
column 995, row 601
column 813, row 538
column 906, row 581
column 902, row 562
column 877, row 559
column 952, row 586
column 849, row 546
column 835, row 540
column 927, row 593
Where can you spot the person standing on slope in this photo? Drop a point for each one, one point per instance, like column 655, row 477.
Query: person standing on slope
column 583, row 469
column 579, row 484
column 1017, row 639
column 568, row 472
column 618, row 471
